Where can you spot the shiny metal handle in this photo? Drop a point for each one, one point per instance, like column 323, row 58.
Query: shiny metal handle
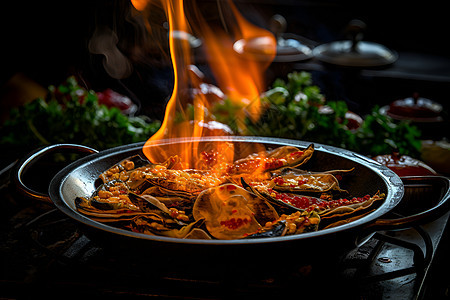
column 33, row 157
column 431, row 214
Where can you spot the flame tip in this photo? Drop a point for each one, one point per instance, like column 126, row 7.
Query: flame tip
column 237, row 56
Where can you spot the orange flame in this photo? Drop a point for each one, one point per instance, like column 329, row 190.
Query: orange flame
column 237, row 56
column 238, row 59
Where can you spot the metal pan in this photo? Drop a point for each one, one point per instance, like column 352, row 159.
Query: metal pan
column 79, row 178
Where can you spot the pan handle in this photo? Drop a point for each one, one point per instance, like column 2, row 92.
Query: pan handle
column 429, row 215
column 31, row 158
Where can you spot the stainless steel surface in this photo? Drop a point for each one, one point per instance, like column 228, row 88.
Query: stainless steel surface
column 78, row 180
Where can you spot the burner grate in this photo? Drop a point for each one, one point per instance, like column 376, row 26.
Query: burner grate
column 371, row 269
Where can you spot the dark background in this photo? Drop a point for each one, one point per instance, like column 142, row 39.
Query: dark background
column 48, row 41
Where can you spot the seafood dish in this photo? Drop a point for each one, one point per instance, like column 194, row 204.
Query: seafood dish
column 266, row 194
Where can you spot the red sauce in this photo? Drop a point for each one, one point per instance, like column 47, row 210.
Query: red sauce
column 263, row 163
column 280, row 181
column 256, row 163
column 273, row 163
column 297, row 154
column 298, row 201
column 309, row 203
column 231, row 187
column 234, row 223
column 404, row 165
column 302, row 181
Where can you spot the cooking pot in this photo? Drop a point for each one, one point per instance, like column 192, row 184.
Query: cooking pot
column 80, row 179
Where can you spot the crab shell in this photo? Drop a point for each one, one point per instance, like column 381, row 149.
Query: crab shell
column 284, row 207
column 84, row 206
column 231, row 212
column 337, row 213
column 154, row 224
column 295, row 223
column 277, row 159
column 134, row 170
column 348, row 213
column 310, row 183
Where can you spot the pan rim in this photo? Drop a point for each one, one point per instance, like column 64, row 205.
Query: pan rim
column 395, row 190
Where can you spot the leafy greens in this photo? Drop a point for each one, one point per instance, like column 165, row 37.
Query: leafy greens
column 72, row 114
column 292, row 109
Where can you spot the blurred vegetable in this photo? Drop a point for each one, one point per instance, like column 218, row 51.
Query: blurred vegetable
column 379, row 134
column 291, row 109
column 111, row 98
column 294, row 109
column 72, row 114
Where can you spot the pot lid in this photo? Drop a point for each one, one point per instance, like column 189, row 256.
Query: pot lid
column 355, row 52
column 290, row 47
column 351, row 54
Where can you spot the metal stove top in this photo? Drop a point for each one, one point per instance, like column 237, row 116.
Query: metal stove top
column 46, row 254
